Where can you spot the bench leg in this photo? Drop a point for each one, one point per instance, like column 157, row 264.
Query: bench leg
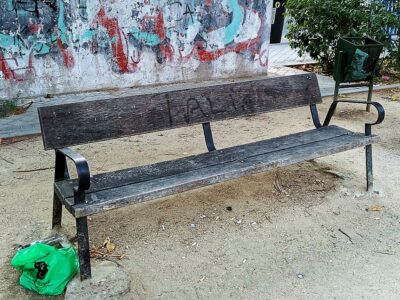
column 57, row 211
column 370, row 178
column 83, row 248
column 60, row 173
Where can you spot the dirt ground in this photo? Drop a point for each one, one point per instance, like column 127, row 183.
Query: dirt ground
column 301, row 232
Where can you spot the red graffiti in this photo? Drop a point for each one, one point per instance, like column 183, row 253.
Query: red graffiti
column 34, row 27
column 11, row 73
column 165, row 50
column 199, row 50
column 5, row 69
column 160, row 26
column 116, row 35
column 207, row 56
column 69, row 61
column 171, row 37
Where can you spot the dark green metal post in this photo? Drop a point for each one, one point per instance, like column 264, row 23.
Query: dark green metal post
column 370, row 89
column 368, row 159
column 336, row 94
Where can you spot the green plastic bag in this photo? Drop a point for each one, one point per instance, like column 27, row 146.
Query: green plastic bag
column 356, row 69
column 46, row 269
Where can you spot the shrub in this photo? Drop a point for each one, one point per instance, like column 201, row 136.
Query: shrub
column 7, row 107
column 316, row 25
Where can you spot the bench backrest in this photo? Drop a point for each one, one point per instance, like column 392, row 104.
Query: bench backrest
column 79, row 123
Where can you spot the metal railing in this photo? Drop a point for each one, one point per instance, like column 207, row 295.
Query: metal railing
column 394, row 7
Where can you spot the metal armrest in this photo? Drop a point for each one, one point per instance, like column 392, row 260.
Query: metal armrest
column 82, row 167
column 378, row 106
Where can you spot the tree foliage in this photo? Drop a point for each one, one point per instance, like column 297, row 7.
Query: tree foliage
column 316, row 25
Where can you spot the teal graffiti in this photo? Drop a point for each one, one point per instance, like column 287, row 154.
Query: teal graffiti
column 7, row 41
column 62, row 29
column 60, row 20
column 15, row 44
column 237, row 19
column 87, row 36
column 150, row 39
column 10, row 5
column 41, row 48
column 38, row 43
column 189, row 35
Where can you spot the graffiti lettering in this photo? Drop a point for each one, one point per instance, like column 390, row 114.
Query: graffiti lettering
column 174, row 32
column 200, row 107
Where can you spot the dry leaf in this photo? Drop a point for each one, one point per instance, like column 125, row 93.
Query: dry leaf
column 110, row 246
column 375, row 208
column 277, row 183
column 395, row 97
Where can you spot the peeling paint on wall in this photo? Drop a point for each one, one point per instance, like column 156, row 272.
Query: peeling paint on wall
column 56, row 46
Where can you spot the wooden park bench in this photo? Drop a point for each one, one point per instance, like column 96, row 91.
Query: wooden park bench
column 74, row 124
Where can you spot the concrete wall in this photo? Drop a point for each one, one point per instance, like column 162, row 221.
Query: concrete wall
column 59, row 46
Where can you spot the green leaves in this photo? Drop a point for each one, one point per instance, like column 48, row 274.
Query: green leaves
column 315, row 26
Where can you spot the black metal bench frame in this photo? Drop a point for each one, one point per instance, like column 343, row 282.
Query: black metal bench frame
column 53, row 139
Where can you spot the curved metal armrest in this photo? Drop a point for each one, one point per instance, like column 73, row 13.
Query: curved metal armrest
column 82, row 167
column 378, row 106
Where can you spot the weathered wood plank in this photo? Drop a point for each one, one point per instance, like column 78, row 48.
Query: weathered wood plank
column 161, row 187
column 168, row 168
column 79, row 123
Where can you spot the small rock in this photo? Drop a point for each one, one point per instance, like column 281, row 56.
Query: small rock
column 358, row 194
column 300, row 276
column 239, row 222
column 379, row 193
column 203, row 216
column 193, row 225
column 229, row 208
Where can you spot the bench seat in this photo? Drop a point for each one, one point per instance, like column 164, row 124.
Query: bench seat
column 139, row 184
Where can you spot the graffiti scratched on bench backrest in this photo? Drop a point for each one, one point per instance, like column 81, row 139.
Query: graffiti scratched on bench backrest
column 52, row 46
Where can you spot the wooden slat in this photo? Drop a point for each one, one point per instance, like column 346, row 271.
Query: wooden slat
column 79, row 123
column 163, row 186
column 134, row 175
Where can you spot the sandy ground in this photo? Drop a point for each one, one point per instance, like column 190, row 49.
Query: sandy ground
column 300, row 232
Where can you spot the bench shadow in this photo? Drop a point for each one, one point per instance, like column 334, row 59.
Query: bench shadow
column 254, row 198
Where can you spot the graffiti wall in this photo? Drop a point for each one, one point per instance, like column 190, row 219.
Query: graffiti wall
column 58, row 46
